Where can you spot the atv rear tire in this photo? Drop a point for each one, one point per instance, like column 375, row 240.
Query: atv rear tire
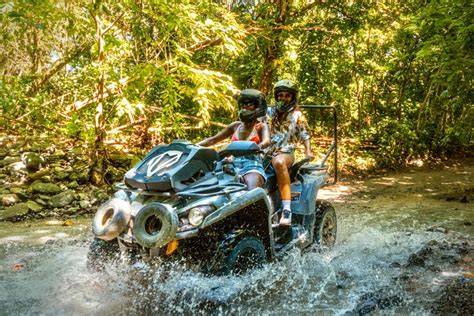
column 238, row 253
column 325, row 227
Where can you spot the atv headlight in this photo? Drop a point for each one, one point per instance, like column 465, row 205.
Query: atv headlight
column 197, row 214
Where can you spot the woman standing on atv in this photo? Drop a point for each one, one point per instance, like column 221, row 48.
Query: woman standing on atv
column 252, row 105
column 288, row 127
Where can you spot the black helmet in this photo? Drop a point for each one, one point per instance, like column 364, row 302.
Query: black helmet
column 291, row 87
column 251, row 96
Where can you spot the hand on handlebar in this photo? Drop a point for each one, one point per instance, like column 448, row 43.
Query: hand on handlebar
column 309, row 155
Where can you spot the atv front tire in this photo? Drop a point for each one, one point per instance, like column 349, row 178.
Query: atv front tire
column 325, row 227
column 238, row 253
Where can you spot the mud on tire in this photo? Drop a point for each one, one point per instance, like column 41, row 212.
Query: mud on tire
column 325, row 227
column 238, row 253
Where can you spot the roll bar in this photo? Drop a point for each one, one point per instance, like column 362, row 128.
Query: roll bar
column 333, row 146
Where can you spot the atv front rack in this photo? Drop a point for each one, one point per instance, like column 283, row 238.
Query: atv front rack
column 205, row 191
column 214, row 190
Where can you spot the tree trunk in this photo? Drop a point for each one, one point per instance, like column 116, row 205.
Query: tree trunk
column 421, row 112
column 99, row 153
column 274, row 48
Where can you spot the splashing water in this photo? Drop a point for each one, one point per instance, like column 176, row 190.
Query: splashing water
column 371, row 267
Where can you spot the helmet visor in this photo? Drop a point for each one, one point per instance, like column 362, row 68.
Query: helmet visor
column 248, row 104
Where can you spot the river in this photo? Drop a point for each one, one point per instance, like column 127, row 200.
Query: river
column 404, row 243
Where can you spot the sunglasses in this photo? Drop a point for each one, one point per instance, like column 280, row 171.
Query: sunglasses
column 247, row 104
column 284, row 94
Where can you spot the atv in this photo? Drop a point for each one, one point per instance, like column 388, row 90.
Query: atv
column 187, row 201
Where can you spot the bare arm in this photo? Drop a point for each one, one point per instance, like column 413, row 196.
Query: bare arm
column 307, row 149
column 225, row 133
column 264, row 135
column 305, row 136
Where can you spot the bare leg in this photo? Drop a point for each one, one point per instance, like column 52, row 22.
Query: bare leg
column 253, row 180
column 281, row 164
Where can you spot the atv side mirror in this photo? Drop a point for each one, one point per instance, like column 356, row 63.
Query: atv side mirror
column 240, row 148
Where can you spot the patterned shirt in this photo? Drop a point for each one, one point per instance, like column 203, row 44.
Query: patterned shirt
column 286, row 130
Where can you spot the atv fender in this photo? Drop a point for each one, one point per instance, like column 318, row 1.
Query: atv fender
column 260, row 217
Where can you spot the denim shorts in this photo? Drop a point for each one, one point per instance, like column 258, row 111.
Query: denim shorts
column 247, row 164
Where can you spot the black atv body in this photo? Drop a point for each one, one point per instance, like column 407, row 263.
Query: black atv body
column 186, row 201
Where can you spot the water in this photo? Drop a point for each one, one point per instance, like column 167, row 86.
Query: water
column 387, row 260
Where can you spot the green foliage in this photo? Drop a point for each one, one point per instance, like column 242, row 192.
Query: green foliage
column 399, row 72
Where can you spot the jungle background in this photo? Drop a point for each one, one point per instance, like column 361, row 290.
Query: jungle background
column 88, row 87
column 106, row 78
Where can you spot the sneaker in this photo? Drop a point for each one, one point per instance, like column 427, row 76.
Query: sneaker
column 285, row 218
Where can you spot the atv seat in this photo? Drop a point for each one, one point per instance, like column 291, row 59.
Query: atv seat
column 293, row 171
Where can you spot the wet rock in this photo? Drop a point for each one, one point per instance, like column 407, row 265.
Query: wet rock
column 99, row 196
column 38, row 175
column 58, row 154
column 46, row 179
column 72, row 185
column 34, row 207
column 10, row 199
column 84, row 204
column 415, row 260
column 32, row 161
column 13, row 211
column 3, row 153
column 20, row 193
column 47, row 188
column 81, row 178
column 11, row 159
column 73, row 209
column 425, row 252
column 17, row 169
column 41, row 202
column 61, row 175
column 62, row 199
column 44, row 197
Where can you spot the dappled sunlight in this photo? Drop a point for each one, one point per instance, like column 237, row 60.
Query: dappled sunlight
column 335, row 192
column 387, row 182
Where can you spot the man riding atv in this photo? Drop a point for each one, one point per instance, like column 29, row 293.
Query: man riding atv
column 185, row 201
